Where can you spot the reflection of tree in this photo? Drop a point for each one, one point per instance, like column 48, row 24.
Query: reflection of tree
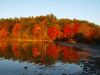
column 69, row 54
column 4, row 49
column 35, row 52
column 53, row 51
column 84, row 54
column 3, row 45
column 15, row 49
column 41, row 52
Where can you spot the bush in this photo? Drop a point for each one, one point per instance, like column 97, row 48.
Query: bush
column 79, row 38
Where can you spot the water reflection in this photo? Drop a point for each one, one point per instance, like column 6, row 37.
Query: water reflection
column 41, row 52
column 43, row 58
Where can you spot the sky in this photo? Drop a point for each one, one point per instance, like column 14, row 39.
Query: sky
column 72, row 9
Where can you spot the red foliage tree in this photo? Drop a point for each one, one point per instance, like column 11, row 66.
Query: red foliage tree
column 75, row 27
column 53, row 32
column 70, row 30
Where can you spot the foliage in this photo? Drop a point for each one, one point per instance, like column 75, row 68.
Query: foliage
column 48, row 28
column 53, row 32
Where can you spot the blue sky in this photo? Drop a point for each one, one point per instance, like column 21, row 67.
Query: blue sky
column 79, row 9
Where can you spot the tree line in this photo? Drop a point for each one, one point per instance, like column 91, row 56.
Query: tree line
column 49, row 27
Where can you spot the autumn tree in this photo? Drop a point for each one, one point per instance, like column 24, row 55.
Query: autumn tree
column 54, row 32
column 47, row 28
column 16, row 30
column 87, row 30
column 3, row 33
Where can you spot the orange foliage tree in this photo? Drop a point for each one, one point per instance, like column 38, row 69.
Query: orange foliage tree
column 3, row 33
column 36, row 31
column 87, row 30
column 16, row 30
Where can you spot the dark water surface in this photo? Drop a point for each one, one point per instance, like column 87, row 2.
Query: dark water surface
column 45, row 58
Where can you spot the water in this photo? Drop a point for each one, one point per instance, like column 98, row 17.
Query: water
column 46, row 58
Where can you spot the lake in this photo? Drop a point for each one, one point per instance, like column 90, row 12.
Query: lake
column 46, row 58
